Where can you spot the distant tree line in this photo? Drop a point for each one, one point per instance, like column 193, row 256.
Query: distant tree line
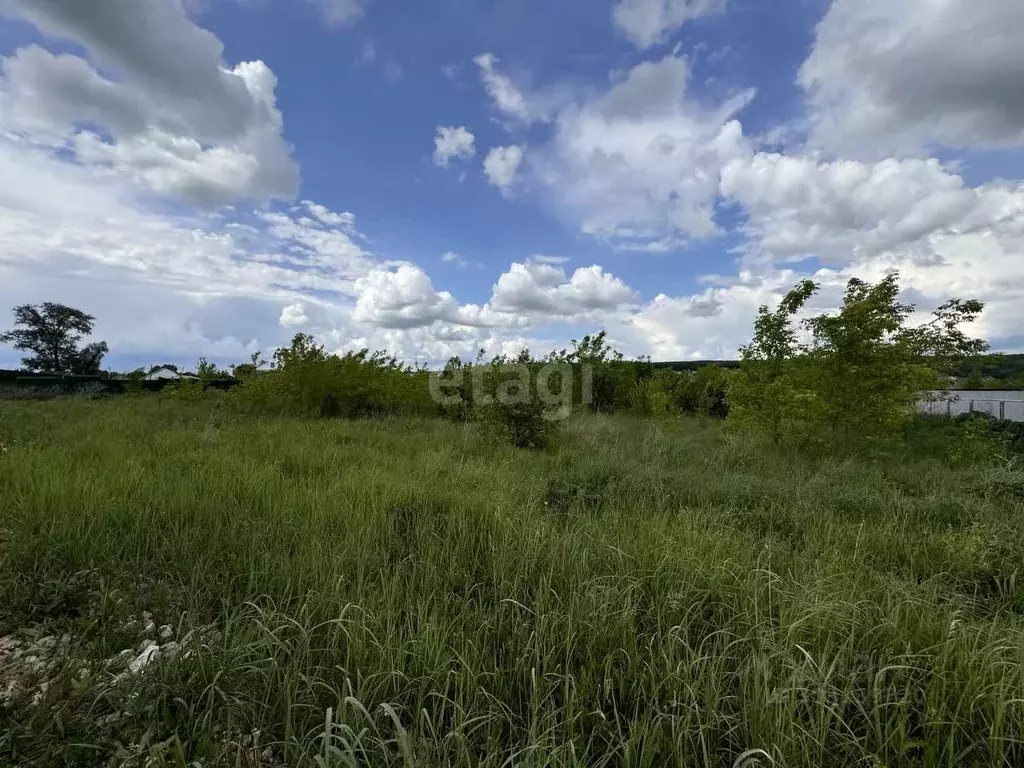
column 991, row 372
column 855, row 373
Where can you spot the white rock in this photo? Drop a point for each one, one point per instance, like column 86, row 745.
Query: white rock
column 40, row 692
column 8, row 692
column 170, row 649
column 121, row 657
column 166, row 632
column 46, row 643
column 149, row 654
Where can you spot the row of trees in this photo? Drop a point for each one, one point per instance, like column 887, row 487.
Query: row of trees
column 858, row 372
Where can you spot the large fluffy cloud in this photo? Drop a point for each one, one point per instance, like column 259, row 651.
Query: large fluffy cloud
column 171, row 116
column 898, row 76
column 540, row 288
column 401, row 298
column 528, row 293
column 154, row 46
column 639, row 165
column 865, row 219
column 842, row 210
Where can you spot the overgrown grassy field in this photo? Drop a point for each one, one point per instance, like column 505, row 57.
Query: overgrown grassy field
column 375, row 593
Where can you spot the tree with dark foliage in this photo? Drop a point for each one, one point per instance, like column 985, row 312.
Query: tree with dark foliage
column 52, row 332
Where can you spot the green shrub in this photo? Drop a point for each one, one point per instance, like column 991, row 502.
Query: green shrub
column 455, row 391
column 863, row 372
column 652, row 396
column 186, row 391
column 306, row 381
column 513, row 409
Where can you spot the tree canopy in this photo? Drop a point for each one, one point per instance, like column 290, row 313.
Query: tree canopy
column 52, row 333
column 859, row 371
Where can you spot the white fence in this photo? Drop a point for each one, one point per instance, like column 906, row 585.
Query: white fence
column 1001, row 404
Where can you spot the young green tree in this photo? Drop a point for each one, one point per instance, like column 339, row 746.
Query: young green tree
column 766, row 392
column 252, row 368
column 868, row 368
column 207, row 371
column 52, row 332
column 610, row 377
column 862, row 376
column 864, row 370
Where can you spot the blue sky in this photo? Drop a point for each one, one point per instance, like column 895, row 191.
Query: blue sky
column 209, row 177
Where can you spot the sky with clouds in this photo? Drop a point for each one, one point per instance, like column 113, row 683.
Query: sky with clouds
column 209, row 177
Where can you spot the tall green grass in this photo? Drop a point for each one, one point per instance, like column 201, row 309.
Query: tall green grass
column 642, row 593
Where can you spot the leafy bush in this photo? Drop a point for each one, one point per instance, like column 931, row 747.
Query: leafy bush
column 455, row 390
column 306, row 381
column 862, row 373
column 186, row 391
column 133, row 381
column 513, row 409
column 980, row 432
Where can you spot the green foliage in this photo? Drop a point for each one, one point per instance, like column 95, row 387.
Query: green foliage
column 650, row 397
column 514, row 406
column 185, row 391
column 864, row 370
column 52, row 332
column 603, row 379
column 254, row 367
column 304, row 380
column 974, row 381
column 709, row 387
column 700, row 393
column 973, row 443
column 993, row 435
column 995, row 371
column 455, row 390
column 207, row 371
column 133, row 381
column 765, row 394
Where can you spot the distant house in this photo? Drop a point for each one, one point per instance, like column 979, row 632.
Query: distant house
column 165, row 372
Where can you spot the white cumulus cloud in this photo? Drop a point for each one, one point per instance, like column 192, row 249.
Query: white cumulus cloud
column 294, row 315
column 501, row 166
column 174, row 117
column 400, row 298
column 803, row 206
column 639, row 164
column 543, row 288
column 452, row 143
column 888, row 77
